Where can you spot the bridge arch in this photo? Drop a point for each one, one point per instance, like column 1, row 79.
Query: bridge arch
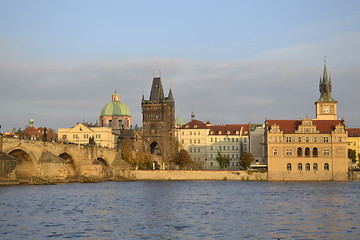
column 70, row 167
column 106, row 171
column 27, row 166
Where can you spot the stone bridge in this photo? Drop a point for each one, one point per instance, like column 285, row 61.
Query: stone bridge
column 31, row 159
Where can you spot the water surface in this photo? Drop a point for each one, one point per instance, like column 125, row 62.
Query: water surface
column 182, row 210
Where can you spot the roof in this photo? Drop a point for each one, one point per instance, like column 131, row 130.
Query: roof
column 353, row 132
column 290, row 126
column 230, row 129
column 115, row 108
column 194, row 124
column 157, row 91
column 179, row 121
column 225, row 129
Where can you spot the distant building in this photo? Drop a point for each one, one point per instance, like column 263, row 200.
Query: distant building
column 257, row 145
column 159, row 121
column 115, row 114
column 309, row 149
column 83, row 134
column 354, row 141
column 203, row 141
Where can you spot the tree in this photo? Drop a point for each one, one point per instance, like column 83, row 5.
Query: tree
column 182, row 159
column 143, row 160
column 352, row 155
column 126, row 151
column 222, row 160
column 246, row 159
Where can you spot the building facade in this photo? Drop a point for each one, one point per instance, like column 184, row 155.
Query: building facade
column 309, row 149
column 83, row 134
column 159, row 122
column 204, row 141
column 354, row 142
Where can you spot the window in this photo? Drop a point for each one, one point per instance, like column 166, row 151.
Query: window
column 194, row 133
column 288, row 139
column 86, row 136
column 275, row 139
column 339, row 139
column 191, row 150
column 199, row 150
column 199, row 141
column 315, row 167
column 182, row 141
column 64, row 137
column 237, row 140
column 233, row 148
column 326, row 167
column 211, row 156
column 211, row 163
column 220, row 148
column 307, row 152
column 211, row 148
column 75, row 136
column 211, row 139
column 326, row 152
column 299, row 139
column 288, row 152
column 307, row 167
column 190, row 141
column 190, row 132
column 326, row 139
column 307, row 139
column 110, row 123
column 315, row 152
column 275, row 152
column 232, row 155
column 215, row 139
column 299, row 167
column 288, row 166
column 314, row 139
column 228, row 148
column 299, row 152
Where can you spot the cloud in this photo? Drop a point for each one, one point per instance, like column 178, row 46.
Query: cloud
column 278, row 84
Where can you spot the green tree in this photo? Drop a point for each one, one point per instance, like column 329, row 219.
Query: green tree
column 182, row 159
column 352, row 155
column 222, row 160
column 246, row 159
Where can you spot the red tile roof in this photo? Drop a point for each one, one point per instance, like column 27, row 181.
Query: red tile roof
column 353, row 132
column 231, row 128
column 194, row 124
column 290, row 126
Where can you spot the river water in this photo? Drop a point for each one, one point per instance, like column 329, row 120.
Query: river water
column 181, row 210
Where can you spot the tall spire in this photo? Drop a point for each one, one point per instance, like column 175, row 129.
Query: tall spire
column 325, row 87
column 157, row 91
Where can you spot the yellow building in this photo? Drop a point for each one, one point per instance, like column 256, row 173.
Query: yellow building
column 306, row 149
column 81, row 134
column 309, row 149
column 354, row 141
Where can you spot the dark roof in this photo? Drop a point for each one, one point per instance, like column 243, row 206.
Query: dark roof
column 157, row 91
column 353, row 132
column 290, row 126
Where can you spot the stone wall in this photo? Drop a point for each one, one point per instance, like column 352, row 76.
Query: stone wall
column 354, row 175
column 196, row 175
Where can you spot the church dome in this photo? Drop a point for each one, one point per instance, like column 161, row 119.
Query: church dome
column 115, row 107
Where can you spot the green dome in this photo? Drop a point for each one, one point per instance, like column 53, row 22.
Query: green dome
column 115, row 108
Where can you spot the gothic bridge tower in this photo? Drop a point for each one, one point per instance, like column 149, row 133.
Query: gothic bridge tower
column 326, row 105
column 159, row 121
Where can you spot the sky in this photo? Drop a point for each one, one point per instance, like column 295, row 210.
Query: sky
column 228, row 61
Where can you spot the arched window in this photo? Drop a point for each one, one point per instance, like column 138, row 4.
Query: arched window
column 288, row 167
column 326, row 167
column 299, row 152
column 307, row 167
column 315, row 167
column 307, row 152
column 299, row 167
column 315, row 152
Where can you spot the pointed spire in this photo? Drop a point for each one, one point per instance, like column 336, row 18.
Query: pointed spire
column 157, row 92
column 325, row 86
column 170, row 96
column 192, row 114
